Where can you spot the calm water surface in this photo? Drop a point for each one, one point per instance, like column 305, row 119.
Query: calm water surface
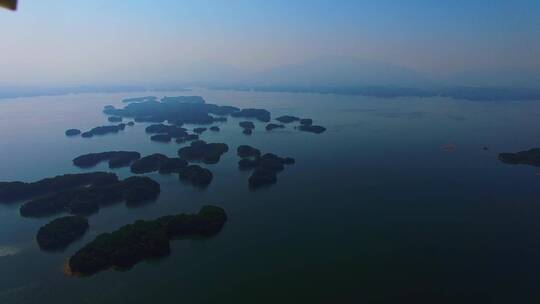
column 374, row 210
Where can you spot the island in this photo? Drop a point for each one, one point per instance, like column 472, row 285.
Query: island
column 15, row 191
column 199, row 130
column 172, row 131
column 306, row 121
column 287, row 119
column 86, row 199
column 266, row 167
column 272, row 126
column 116, row 159
column 528, row 157
column 196, row 175
column 199, row 150
column 189, row 137
column 223, row 111
column 172, row 165
column 150, row 163
column 248, row 127
column 312, row 129
column 59, row 233
column 245, row 151
column 175, row 110
column 214, row 128
column 158, row 162
column 260, row 114
column 132, row 243
column 131, row 123
column 275, row 163
column 103, row 130
column 262, row 177
column 73, row 132
column 158, row 128
column 161, row 138
column 114, row 119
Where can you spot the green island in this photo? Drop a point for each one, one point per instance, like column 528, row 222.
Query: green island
column 116, row 159
column 60, row 232
column 199, row 150
column 196, row 175
column 142, row 240
column 103, row 130
column 158, row 162
column 85, row 199
column 287, row 119
column 529, row 157
column 15, row 191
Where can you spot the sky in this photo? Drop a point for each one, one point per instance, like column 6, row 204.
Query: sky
column 149, row 41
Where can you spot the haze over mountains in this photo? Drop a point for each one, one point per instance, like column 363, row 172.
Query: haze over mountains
column 320, row 72
column 336, row 71
column 346, row 73
column 350, row 71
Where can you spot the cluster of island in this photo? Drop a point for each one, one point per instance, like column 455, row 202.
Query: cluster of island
column 85, row 193
column 181, row 110
column 141, row 240
column 265, row 166
column 82, row 194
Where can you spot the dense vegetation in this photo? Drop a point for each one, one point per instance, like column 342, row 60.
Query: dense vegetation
column 175, row 110
column 87, row 199
column 209, row 153
column 196, row 175
column 72, row 132
column 265, row 167
column 272, row 126
column 529, row 157
column 141, row 240
column 158, row 162
column 116, row 159
column 59, row 233
column 260, row 114
column 102, row 130
column 244, row 151
column 13, row 191
column 287, row 119
column 312, row 129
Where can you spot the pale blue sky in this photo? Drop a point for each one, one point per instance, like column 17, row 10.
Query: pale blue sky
column 102, row 41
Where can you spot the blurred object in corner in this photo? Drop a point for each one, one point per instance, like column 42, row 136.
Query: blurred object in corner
column 9, row 4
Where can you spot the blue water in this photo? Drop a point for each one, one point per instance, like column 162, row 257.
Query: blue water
column 375, row 210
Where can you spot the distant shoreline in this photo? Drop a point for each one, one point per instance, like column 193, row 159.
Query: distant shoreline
column 463, row 93
column 11, row 92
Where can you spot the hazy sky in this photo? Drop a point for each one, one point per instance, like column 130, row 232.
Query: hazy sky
column 105, row 41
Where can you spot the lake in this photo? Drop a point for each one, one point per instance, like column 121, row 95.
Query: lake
column 400, row 198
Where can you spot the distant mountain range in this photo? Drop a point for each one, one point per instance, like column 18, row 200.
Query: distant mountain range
column 467, row 93
column 330, row 71
column 334, row 75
